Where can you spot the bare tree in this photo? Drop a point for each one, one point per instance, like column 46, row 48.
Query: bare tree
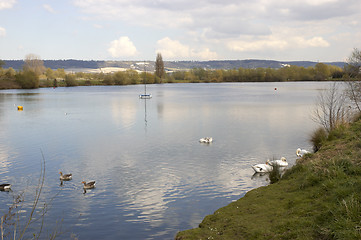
column 354, row 93
column 34, row 63
column 353, row 66
column 353, row 70
column 332, row 109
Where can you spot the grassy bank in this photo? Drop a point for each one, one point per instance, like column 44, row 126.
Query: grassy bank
column 319, row 198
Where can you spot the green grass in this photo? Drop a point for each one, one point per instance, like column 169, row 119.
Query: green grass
column 319, row 198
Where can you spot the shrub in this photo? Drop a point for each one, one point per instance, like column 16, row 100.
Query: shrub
column 275, row 174
column 337, row 132
column 70, row 80
column 28, row 79
column 317, row 138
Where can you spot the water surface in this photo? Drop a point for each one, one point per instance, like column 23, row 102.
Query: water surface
column 153, row 176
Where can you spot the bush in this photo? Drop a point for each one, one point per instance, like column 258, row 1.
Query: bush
column 337, row 132
column 317, row 138
column 70, row 80
column 8, row 83
column 275, row 174
column 27, row 79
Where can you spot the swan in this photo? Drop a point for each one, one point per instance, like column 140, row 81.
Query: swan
column 300, row 152
column 262, row 168
column 5, row 187
column 65, row 177
column 206, row 140
column 89, row 184
column 280, row 162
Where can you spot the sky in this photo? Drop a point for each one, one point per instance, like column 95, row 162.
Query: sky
column 201, row 30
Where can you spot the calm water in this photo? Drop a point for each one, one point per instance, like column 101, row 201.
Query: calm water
column 153, row 176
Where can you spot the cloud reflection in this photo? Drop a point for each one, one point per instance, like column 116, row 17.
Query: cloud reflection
column 123, row 113
column 4, row 160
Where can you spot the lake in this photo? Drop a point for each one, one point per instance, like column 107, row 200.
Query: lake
column 153, row 177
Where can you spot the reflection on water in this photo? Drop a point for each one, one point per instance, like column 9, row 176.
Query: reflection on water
column 153, row 176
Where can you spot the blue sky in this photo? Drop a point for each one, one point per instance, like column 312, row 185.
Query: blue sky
column 315, row 30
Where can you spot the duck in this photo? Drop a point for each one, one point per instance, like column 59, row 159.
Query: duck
column 65, row 177
column 279, row 162
column 5, row 187
column 262, row 168
column 300, row 152
column 88, row 185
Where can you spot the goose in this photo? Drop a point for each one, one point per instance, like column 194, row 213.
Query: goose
column 262, row 168
column 65, row 177
column 300, row 152
column 88, row 185
column 280, row 162
column 5, row 187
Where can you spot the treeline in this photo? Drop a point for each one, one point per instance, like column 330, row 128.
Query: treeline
column 289, row 73
column 34, row 75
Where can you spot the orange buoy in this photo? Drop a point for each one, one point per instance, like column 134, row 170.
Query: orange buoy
column 20, row 108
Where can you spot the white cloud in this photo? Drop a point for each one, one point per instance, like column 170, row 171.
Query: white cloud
column 313, row 42
column 281, row 38
column 210, row 13
column 98, row 26
column 204, row 54
column 319, row 2
column 2, row 32
column 173, row 49
column 256, row 45
column 232, row 26
column 48, row 8
column 7, row 4
column 122, row 47
column 275, row 43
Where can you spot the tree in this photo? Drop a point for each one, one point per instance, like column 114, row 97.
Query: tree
column 10, row 72
column 331, row 108
column 119, row 78
column 70, row 80
column 353, row 71
column 28, row 79
column 49, row 73
column 132, row 76
column 60, row 73
column 353, row 66
column 159, row 67
column 34, row 63
column 322, row 71
column 2, row 63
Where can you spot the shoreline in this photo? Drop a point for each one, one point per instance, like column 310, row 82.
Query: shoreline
column 318, row 198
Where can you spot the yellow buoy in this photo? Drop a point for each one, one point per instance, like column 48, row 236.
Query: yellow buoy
column 20, row 108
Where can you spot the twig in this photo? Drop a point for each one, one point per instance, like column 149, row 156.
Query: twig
column 37, row 195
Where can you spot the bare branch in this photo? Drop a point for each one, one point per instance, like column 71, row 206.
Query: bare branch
column 331, row 108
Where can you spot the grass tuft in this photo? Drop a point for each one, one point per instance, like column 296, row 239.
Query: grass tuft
column 317, row 138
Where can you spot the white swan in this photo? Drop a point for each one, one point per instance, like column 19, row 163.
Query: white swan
column 300, row 152
column 262, row 168
column 206, row 140
column 280, row 162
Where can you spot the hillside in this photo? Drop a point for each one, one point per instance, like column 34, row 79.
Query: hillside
column 319, row 198
column 84, row 66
